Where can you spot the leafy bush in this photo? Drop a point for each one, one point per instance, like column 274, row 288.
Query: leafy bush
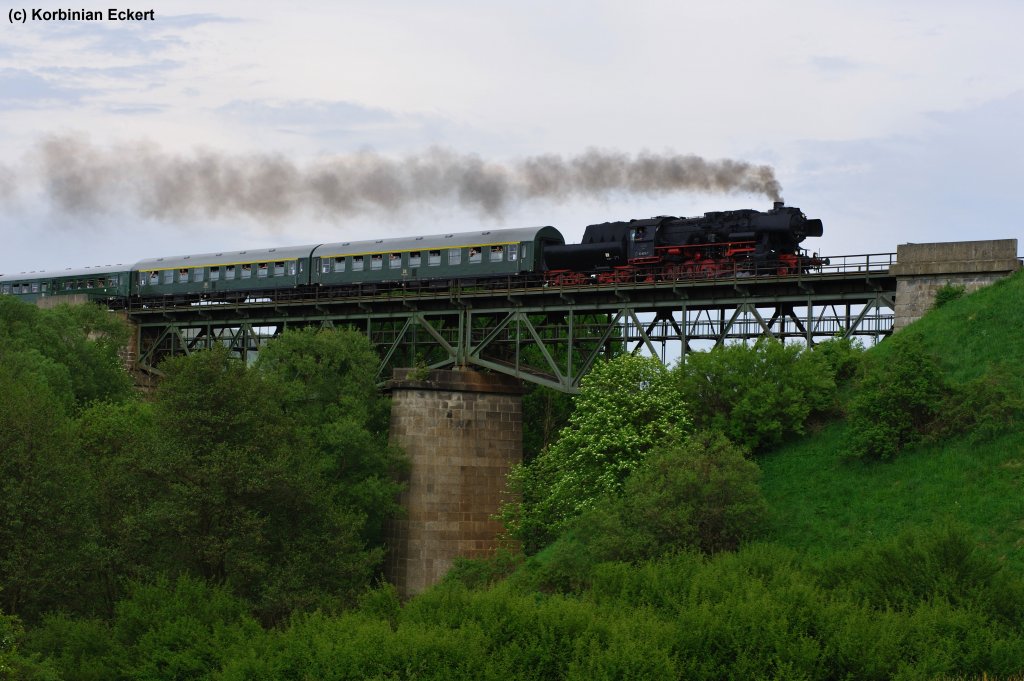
column 624, row 409
column 921, row 566
column 476, row 573
column 756, row 395
column 898, row 401
column 702, row 495
column 80, row 649
column 844, row 357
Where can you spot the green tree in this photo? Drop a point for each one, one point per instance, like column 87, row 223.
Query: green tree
column 625, row 407
column 47, row 537
column 238, row 495
column 327, row 382
column 83, row 338
column 117, row 442
column 756, row 395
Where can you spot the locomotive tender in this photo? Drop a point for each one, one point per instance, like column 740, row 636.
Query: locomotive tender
column 726, row 243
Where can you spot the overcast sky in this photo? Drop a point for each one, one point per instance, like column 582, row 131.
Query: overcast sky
column 893, row 122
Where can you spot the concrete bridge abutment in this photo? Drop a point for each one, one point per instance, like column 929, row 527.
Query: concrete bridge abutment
column 462, row 432
column 922, row 269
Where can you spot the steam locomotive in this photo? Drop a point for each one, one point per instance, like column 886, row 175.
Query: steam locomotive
column 736, row 242
column 729, row 243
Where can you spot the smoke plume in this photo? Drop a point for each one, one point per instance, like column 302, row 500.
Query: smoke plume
column 82, row 179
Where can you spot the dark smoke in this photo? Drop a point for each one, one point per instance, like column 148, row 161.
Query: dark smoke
column 82, row 179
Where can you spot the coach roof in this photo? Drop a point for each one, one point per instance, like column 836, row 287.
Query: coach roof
column 439, row 241
column 252, row 255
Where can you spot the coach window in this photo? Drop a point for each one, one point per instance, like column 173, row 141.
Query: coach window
column 414, row 258
column 246, row 271
column 154, row 278
column 395, row 261
column 183, row 275
column 292, row 266
column 44, row 287
column 115, row 280
column 455, row 256
column 474, row 255
column 68, row 284
column 261, row 271
column 214, row 273
column 168, row 276
column 229, row 273
column 5, row 290
column 325, row 265
column 197, row 274
column 513, row 252
column 35, row 287
column 88, row 284
column 339, row 263
column 497, row 253
column 433, row 258
column 357, row 263
column 279, row 268
column 376, row 262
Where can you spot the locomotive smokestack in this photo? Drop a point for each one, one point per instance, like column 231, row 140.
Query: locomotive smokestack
column 779, row 204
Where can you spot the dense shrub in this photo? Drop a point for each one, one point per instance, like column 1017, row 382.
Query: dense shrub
column 898, row 401
column 844, row 357
column 756, row 395
column 919, row 566
column 701, row 495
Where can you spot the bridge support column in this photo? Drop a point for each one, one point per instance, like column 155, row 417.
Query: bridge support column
column 462, row 432
column 922, row 269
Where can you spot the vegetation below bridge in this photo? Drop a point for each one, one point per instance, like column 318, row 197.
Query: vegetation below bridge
column 764, row 513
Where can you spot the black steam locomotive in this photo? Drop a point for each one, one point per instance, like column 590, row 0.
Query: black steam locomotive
column 724, row 243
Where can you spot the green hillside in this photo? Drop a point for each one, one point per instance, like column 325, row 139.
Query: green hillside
column 822, row 502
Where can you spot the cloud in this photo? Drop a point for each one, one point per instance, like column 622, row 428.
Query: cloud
column 835, row 65
column 21, row 89
column 320, row 114
column 956, row 178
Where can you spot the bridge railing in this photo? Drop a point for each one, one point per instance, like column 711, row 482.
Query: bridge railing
column 865, row 262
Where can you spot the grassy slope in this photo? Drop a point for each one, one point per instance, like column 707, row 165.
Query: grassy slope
column 822, row 504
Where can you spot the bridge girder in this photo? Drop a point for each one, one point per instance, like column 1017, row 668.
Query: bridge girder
column 545, row 335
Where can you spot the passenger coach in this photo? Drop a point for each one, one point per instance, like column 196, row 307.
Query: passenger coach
column 224, row 275
column 103, row 283
column 466, row 256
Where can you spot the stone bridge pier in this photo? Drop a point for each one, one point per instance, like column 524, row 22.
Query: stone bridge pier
column 462, row 432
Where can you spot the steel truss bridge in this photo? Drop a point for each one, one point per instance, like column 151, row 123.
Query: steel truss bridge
column 550, row 335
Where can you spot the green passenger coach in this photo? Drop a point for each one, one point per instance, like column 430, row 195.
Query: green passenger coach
column 223, row 275
column 103, row 284
column 464, row 256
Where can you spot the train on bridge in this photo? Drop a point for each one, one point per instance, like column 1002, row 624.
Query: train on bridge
column 726, row 243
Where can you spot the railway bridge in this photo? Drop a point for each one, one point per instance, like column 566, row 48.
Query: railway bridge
column 462, row 429
column 549, row 335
